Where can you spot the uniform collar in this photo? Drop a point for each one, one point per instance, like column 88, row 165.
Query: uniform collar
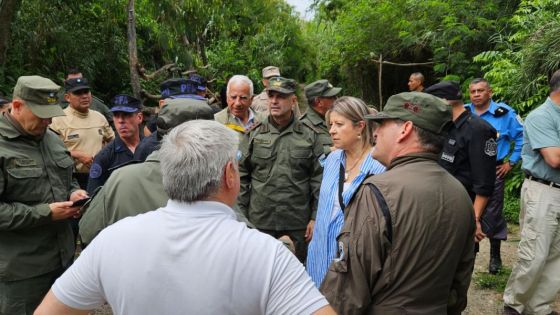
column 550, row 103
column 71, row 111
column 412, row 157
column 7, row 128
column 462, row 118
column 491, row 108
column 294, row 125
column 120, row 146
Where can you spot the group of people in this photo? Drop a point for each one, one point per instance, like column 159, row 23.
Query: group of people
column 365, row 211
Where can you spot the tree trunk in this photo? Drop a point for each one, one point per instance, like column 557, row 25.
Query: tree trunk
column 8, row 10
column 133, row 52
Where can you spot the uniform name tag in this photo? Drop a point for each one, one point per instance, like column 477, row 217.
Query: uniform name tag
column 263, row 141
column 74, row 136
column 448, row 157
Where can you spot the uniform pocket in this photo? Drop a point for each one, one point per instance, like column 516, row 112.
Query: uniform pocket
column 262, row 161
column 300, row 160
column 526, row 249
column 21, row 181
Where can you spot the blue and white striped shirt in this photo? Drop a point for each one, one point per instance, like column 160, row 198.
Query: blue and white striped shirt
column 323, row 247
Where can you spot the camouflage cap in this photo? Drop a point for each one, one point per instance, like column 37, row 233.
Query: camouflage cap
column 449, row 90
column 424, row 110
column 282, row 85
column 270, row 71
column 76, row 84
column 321, row 88
column 40, row 95
column 177, row 111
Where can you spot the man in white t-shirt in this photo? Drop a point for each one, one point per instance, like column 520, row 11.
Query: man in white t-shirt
column 191, row 256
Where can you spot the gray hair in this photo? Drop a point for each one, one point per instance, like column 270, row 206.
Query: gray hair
column 239, row 78
column 419, row 76
column 555, row 81
column 193, row 157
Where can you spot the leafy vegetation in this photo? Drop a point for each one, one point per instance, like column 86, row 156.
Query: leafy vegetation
column 497, row 282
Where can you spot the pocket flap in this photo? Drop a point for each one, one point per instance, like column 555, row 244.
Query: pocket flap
column 25, row 172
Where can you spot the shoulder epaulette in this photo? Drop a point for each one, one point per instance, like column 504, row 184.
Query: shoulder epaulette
column 310, row 125
column 253, row 127
column 501, row 111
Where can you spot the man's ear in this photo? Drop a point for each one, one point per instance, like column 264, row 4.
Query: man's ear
column 67, row 97
column 16, row 105
column 406, row 131
column 230, row 175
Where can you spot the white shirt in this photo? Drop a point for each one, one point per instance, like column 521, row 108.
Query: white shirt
column 188, row 259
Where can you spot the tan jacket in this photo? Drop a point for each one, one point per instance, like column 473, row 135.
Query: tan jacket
column 226, row 118
column 427, row 267
column 87, row 132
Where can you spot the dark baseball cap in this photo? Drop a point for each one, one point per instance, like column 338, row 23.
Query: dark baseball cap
column 321, row 88
column 282, row 85
column 198, row 81
column 449, row 90
column 4, row 100
column 177, row 86
column 424, row 110
column 125, row 103
column 40, row 95
column 76, row 84
column 177, row 111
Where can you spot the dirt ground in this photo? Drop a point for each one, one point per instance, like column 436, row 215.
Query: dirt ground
column 480, row 301
column 489, row 302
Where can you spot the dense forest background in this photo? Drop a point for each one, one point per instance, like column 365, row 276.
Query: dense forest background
column 514, row 44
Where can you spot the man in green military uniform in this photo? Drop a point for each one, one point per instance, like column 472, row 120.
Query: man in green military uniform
column 280, row 172
column 320, row 96
column 138, row 188
column 36, row 183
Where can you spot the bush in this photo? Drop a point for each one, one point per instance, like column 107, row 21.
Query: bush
column 497, row 282
column 511, row 208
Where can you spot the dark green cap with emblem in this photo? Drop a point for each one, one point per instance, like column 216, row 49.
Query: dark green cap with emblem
column 282, row 85
column 177, row 111
column 424, row 110
column 321, row 88
column 40, row 95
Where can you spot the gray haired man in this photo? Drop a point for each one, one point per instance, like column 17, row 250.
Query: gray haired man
column 191, row 256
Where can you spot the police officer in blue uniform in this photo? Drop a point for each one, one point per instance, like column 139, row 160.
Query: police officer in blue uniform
column 128, row 119
column 509, row 130
column 469, row 152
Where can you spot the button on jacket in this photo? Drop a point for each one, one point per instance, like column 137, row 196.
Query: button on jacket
column 34, row 174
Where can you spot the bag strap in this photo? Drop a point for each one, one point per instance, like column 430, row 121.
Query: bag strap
column 385, row 209
column 341, row 187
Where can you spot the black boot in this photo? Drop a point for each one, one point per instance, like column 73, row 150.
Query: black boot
column 495, row 259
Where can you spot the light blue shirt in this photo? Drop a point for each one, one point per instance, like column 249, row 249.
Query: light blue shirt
column 542, row 130
column 508, row 126
column 323, row 247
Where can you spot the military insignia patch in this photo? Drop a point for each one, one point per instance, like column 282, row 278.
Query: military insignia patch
column 490, row 147
column 277, row 84
column 95, row 171
column 74, row 136
column 52, row 98
column 100, row 132
column 447, row 157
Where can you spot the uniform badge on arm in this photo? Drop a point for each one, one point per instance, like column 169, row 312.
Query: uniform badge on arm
column 95, row 171
column 491, row 147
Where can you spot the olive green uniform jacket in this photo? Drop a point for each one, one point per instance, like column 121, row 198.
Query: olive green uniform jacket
column 426, row 268
column 131, row 190
column 280, row 176
column 34, row 174
column 317, row 123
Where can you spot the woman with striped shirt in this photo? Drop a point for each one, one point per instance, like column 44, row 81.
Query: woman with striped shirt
column 344, row 170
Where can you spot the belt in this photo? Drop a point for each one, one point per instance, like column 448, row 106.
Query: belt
column 542, row 181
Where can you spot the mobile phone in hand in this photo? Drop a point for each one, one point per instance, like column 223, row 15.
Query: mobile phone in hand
column 80, row 202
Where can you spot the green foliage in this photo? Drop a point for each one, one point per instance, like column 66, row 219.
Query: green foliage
column 511, row 208
column 497, row 282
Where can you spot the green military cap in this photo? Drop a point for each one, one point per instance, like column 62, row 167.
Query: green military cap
column 424, row 110
column 177, row 111
column 40, row 95
column 321, row 88
column 282, row 85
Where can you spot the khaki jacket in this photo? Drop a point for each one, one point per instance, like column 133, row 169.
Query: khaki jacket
column 427, row 267
column 280, row 176
column 226, row 118
column 34, row 173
